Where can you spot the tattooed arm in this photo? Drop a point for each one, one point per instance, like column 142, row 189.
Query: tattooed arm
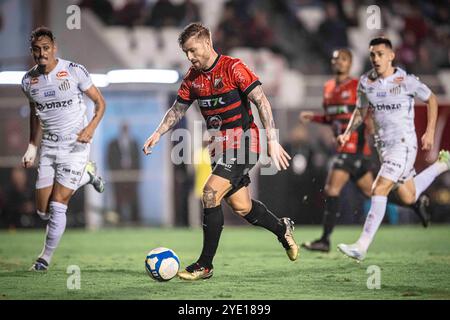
column 171, row 118
column 355, row 121
column 279, row 156
column 260, row 100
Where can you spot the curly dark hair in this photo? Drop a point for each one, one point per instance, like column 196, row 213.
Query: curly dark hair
column 41, row 32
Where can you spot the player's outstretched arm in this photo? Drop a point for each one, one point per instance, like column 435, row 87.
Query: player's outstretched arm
column 95, row 95
column 308, row 116
column 432, row 113
column 171, row 118
column 355, row 121
column 279, row 156
column 35, row 131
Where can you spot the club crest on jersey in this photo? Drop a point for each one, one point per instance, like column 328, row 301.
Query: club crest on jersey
column 395, row 90
column 218, row 84
column 34, row 80
column 61, row 74
column 214, row 122
column 64, row 86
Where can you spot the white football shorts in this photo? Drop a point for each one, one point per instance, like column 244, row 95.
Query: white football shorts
column 65, row 162
column 397, row 161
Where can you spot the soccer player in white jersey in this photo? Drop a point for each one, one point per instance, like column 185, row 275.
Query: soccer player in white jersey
column 389, row 93
column 54, row 88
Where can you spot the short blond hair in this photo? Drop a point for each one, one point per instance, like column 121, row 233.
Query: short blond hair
column 195, row 29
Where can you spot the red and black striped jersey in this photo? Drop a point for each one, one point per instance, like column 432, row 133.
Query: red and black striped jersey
column 339, row 102
column 221, row 92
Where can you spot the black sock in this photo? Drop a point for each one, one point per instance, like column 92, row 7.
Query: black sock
column 212, row 228
column 330, row 216
column 262, row 217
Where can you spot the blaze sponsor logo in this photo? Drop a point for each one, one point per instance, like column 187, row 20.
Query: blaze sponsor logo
column 385, row 107
column 62, row 74
column 34, row 80
column 210, row 102
column 54, row 105
column 214, row 122
column 50, row 93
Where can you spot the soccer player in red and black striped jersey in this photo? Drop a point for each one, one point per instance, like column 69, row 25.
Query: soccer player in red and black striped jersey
column 352, row 159
column 224, row 87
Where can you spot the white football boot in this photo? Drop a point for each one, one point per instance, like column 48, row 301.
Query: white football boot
column 353, row 251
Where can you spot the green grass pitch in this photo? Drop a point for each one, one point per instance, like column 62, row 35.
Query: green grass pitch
column 250, row 264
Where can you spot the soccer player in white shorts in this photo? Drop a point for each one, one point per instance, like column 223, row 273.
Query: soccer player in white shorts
column 388, row 92
column 54, row 88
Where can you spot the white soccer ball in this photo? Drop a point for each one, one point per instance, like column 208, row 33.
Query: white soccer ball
column 162, row 264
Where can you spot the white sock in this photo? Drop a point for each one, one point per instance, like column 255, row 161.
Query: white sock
column 85, row 178
column 55, row 229
column 423, row 180
column 43, row 215
column 373, row 221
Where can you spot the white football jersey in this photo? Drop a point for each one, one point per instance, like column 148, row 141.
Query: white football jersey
column 391, row 101
column 58, row 97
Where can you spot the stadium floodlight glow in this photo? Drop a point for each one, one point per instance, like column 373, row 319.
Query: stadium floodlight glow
column 143, row 76
column 11, row 77
column 99, row 80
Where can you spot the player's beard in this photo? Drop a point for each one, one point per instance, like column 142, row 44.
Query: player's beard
column 340, row 72
column 40, row 60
